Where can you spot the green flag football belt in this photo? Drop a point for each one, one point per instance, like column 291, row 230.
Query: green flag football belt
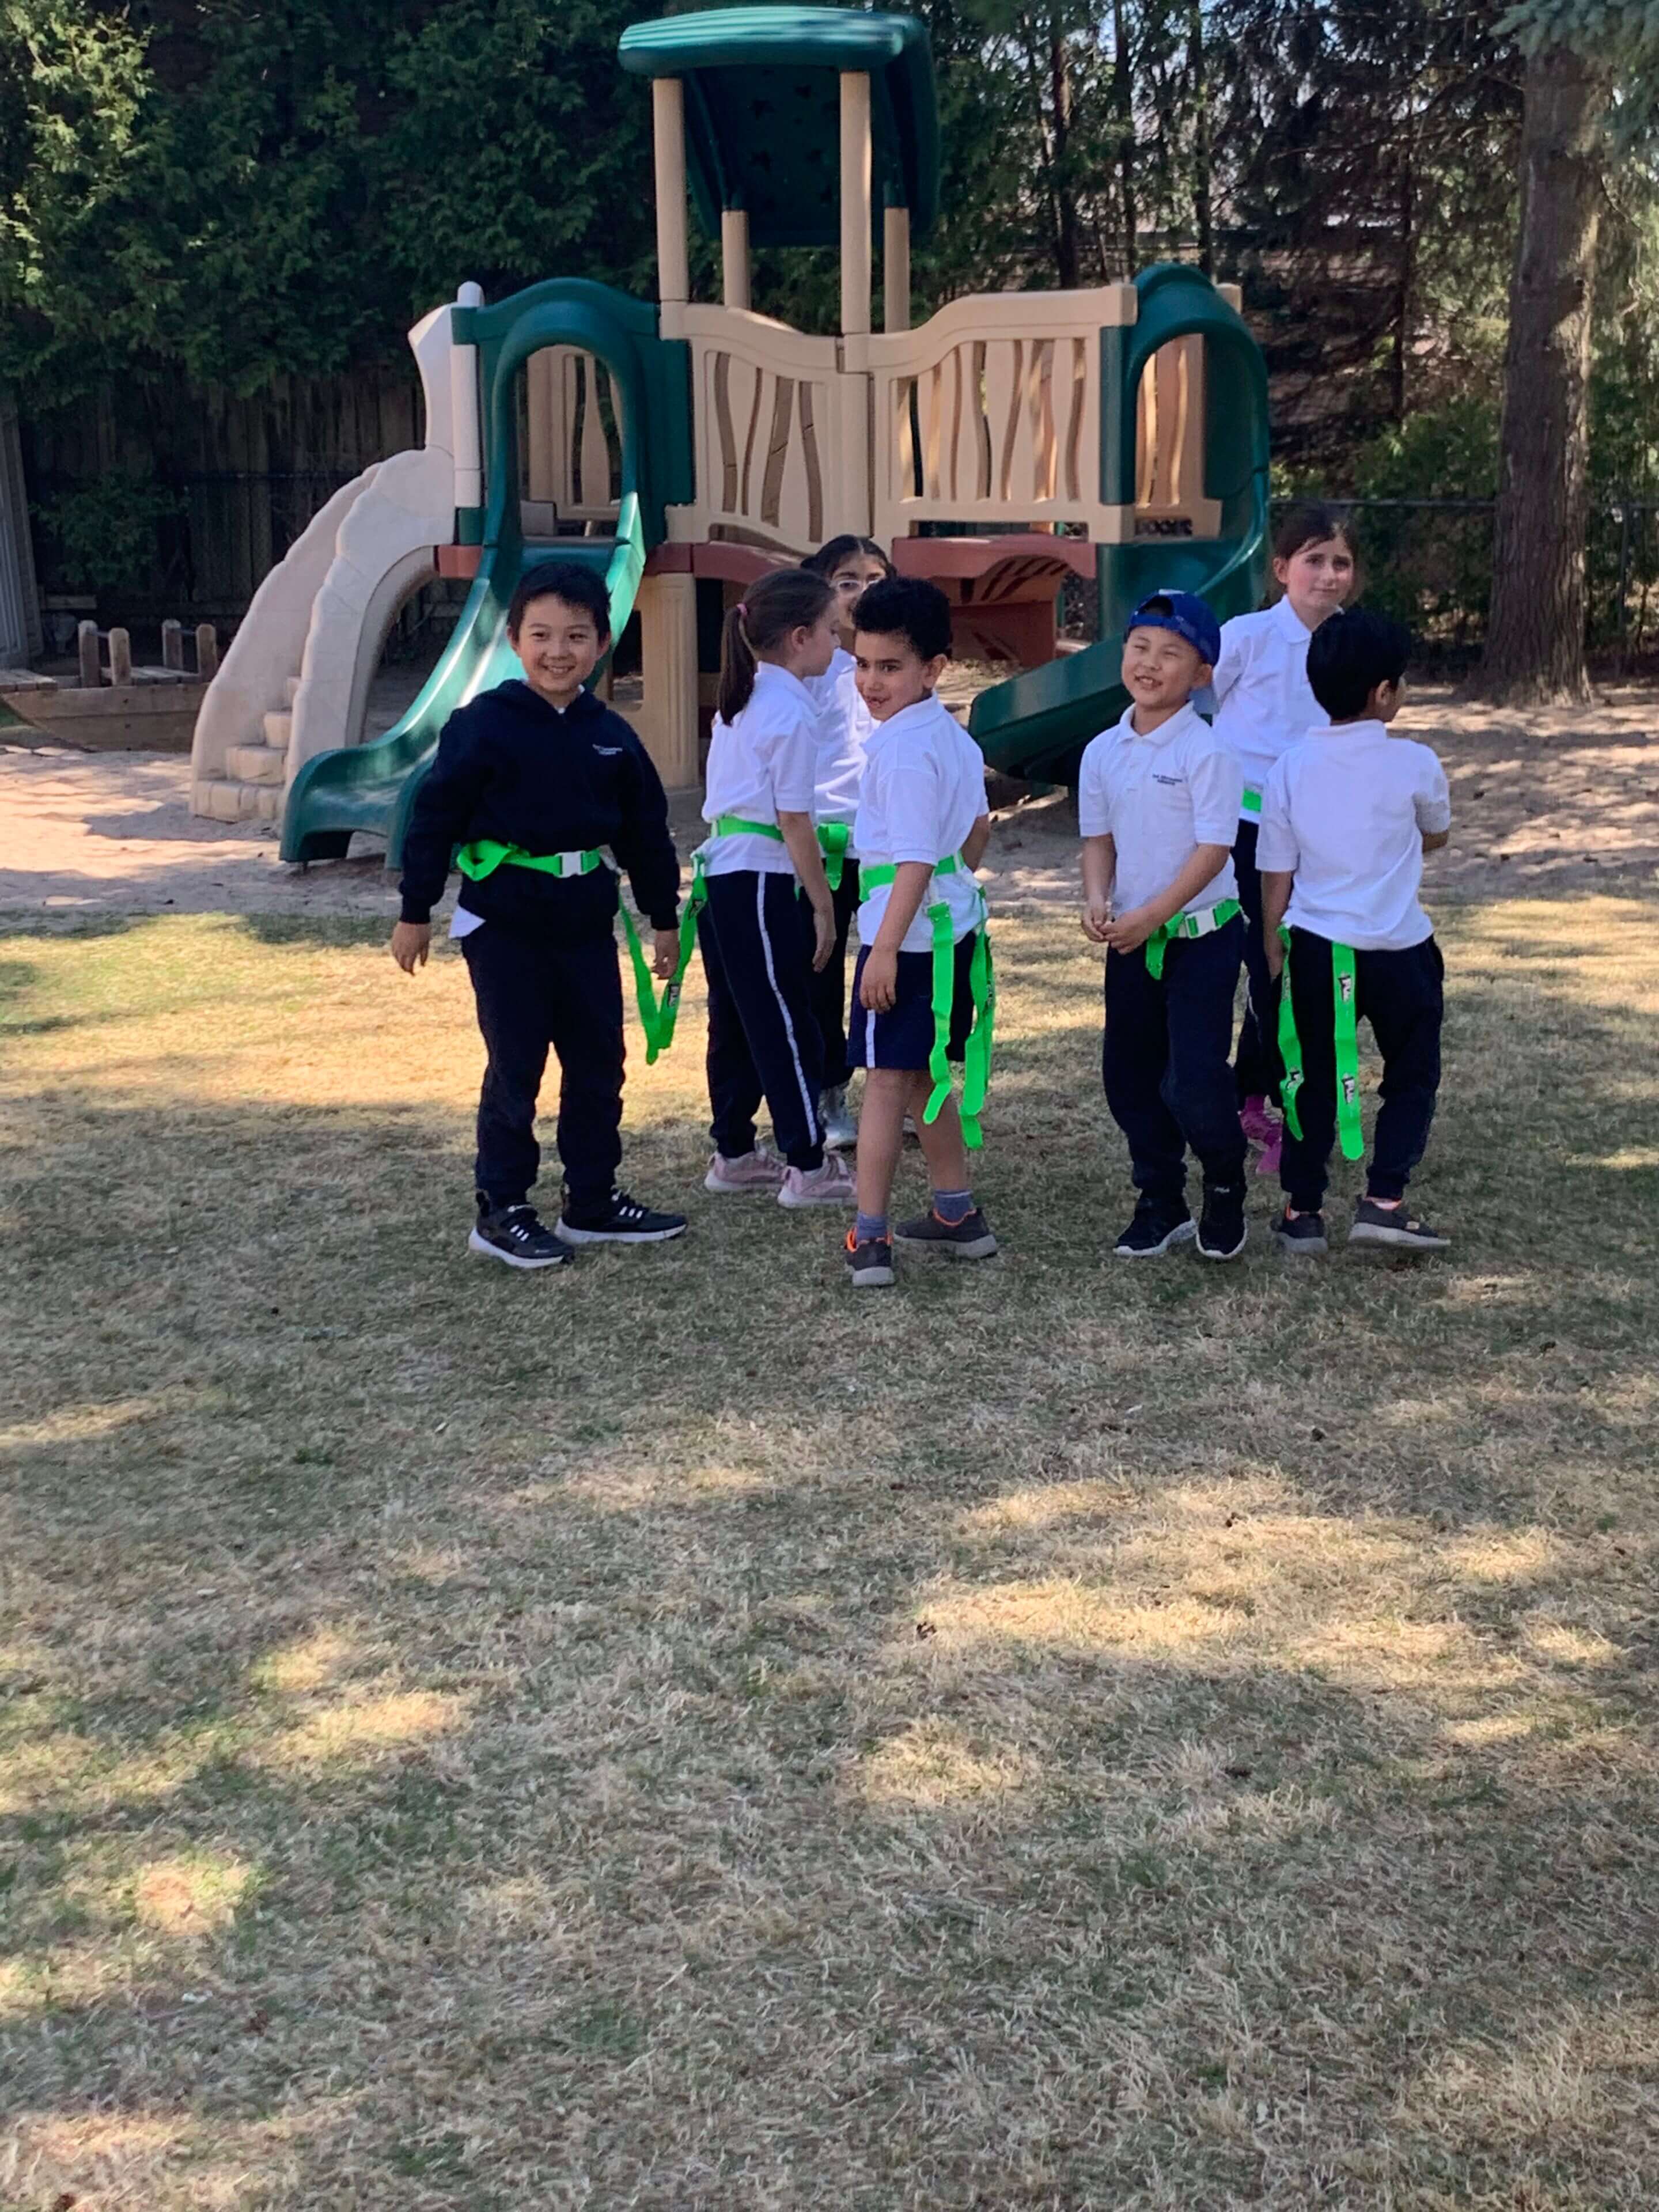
column 658, row 1017
column 485, row 855
column 1252, row 802
column 834, row 838
column 981, row 984
column 1187, row 924
column 1345, row 996
column 725, row 825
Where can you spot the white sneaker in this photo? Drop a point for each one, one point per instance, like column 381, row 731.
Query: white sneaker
column 830, row 1185
column 840, row 1131
column 756, row 1171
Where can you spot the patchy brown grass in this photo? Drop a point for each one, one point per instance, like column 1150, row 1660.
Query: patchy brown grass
column 1062, row 1736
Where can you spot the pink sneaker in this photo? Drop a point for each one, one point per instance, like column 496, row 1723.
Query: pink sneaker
column 756, row 1171
column 1257, row 1123
column 1268, row 1163
column 830, row 1185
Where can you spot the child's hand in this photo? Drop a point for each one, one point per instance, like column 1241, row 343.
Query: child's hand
column 1097, row 920
column 1130, row 931
column 664, row 952
column 411, row 943
column 1275, row 956
column 824, row 923
column 878, row 985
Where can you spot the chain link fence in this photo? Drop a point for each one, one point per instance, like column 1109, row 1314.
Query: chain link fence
column 197, row 547
column 1428, row 562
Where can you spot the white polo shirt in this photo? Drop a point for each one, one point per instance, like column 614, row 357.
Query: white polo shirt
column 1263, row 701
column 844, row 727
column 1347, row 809
column 762, row 765
column 1158, row 798
column 924, row 789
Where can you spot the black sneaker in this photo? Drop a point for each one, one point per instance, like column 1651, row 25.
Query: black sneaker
column 970, row 1239
column 513, row 1235
column 1394, row 1225
column 1222, row 1228
column 870, row 1264
column 620, row 1220
column 1303, row 1233
column 1153, row 1232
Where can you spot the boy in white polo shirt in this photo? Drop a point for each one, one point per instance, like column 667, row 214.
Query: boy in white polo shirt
column 920, row 992
column 1158, row 804
column 1347, row 816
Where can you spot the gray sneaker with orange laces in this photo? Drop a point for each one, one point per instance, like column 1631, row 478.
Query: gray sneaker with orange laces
column 970, row 1239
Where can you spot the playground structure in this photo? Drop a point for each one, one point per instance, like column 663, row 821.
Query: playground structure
column 1014, row 440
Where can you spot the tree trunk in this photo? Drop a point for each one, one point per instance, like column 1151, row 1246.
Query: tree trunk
column 1068, row 255
column 1199, row 78
column 1123, row 107
column 1536, row 640
column 1404, row 286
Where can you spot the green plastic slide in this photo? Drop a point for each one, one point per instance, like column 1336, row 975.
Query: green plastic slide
column 371, row 787
column 1035, row 725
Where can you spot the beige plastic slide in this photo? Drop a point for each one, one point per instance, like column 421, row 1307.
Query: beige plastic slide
column 295, row 679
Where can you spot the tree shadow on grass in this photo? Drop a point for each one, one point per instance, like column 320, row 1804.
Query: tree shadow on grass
column 1069, row 1736
column 816, row 1830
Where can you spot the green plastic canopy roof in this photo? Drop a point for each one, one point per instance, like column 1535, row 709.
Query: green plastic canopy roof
column 762, row 113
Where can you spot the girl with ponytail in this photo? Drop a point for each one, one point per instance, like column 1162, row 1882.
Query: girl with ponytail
column 1262, row 705
column 768, row 921
column 849, row 565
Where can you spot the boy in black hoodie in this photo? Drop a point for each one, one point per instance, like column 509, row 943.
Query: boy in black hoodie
column 531, row 778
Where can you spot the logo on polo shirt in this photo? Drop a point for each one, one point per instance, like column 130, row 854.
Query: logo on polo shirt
column 609, row 752
column 1177, row 781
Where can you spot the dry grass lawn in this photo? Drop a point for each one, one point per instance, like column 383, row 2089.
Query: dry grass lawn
column 670, row 1734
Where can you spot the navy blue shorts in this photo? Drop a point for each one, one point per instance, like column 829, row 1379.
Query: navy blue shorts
column 904, row 1037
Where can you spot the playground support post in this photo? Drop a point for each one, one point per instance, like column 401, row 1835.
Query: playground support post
column 464, row 414
column 896, row 269
column 855, row 208
column 668, row 653
column 668, row 134
column 734, row 256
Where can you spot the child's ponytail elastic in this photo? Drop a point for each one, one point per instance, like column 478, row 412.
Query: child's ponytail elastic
column 787, row 600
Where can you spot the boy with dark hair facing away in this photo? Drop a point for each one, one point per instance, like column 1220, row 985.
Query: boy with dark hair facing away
column 920, row 831
column 531, row 780
column 1158, row 804
column 1347, row 816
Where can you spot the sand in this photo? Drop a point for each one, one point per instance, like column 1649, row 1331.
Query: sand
column 1545, row 804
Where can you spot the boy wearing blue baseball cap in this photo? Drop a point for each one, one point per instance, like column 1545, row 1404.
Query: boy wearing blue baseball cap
column 1158, row 804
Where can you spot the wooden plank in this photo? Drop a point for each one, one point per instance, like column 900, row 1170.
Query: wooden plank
column 960, row 456
column 1077, row 401
column 1044, row 472
column 777, row 450
column 593, row 489
column 120, row 657
column 755, row 389
column 977, row 389
column 172, row 643
column 86, row 646
column 1003, row 361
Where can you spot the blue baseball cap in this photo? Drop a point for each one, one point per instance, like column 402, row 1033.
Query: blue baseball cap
column 1187, row 614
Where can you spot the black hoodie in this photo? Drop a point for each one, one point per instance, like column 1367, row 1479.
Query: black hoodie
column 514, row 769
